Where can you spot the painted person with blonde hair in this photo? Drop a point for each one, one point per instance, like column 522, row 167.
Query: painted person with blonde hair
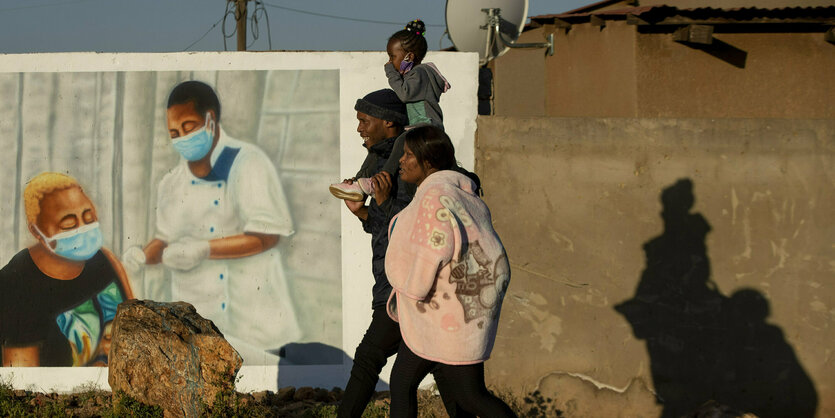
column 58, row 297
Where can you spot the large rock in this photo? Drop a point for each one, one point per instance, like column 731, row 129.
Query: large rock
column 166, row 354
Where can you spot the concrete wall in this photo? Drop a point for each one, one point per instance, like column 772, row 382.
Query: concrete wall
column 688, row 258
column 519, row 79
column 616, row 71
column 744, row 75
column 592, row 72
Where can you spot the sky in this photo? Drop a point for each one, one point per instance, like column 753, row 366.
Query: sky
column 196, row 25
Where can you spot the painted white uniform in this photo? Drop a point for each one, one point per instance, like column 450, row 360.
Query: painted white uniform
column 247, row 298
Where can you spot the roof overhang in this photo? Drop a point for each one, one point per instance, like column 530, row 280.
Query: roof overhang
column 668, row 15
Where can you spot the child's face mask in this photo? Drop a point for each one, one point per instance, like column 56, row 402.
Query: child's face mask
column 405, row 66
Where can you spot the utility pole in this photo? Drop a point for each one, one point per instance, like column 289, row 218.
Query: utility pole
column 240, row 18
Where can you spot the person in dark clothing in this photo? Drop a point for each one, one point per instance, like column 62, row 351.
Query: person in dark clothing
column 381, row 117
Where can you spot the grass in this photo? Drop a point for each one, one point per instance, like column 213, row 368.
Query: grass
column 128, row 407
column 13, row 405
column 89, row 400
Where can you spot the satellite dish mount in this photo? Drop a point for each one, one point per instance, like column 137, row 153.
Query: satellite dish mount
column 494, row 32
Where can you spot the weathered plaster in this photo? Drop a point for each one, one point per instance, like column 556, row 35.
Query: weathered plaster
column 578, row 204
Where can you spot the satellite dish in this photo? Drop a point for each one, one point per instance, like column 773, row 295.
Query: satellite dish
column 488, row 27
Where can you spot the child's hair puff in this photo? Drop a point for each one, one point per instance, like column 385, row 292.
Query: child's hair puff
column 412, row 39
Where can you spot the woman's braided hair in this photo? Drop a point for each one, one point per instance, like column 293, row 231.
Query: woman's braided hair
column 412, row 39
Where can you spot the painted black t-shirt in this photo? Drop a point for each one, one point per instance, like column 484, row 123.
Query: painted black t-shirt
column 65, row 319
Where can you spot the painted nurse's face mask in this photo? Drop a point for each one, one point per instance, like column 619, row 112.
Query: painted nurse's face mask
column 197, row 144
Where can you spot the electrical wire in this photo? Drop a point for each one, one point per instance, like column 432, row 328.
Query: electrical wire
column 352, row 19
column 253, row 20
column 260, row 12
column 204, row 35
column 230, row 9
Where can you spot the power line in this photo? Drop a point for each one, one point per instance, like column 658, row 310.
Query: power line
column 37, row 6
column 259, row 8
column 230, row 10
column 254, row 21
column 352, row 19
column 204, row 35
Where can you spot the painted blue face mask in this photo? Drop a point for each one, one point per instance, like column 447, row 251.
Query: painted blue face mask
column 79, row 244
column 197, row 144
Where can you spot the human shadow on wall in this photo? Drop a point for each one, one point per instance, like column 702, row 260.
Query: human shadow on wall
column 704, row 345
column 314, row 355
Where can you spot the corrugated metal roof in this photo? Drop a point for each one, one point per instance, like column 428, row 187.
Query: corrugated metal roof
column 593, row 6
column 600, row 13
column 673, row 15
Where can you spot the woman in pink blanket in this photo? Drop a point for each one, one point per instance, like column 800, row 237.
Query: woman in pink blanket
column 449, row 272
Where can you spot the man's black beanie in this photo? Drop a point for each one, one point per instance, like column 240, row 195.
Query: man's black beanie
column 383, row 104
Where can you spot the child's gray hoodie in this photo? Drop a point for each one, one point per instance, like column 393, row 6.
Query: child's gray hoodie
column 420, row 88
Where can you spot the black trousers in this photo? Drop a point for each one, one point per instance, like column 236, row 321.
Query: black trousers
column 461, row 387
column 381, row 341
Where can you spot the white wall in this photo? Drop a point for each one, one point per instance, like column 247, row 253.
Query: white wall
column 360, row 73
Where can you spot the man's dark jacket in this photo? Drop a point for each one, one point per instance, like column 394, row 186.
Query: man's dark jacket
column 379, row 217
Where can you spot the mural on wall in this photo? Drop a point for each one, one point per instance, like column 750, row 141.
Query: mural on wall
column 58, row 297
column 205, row 189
